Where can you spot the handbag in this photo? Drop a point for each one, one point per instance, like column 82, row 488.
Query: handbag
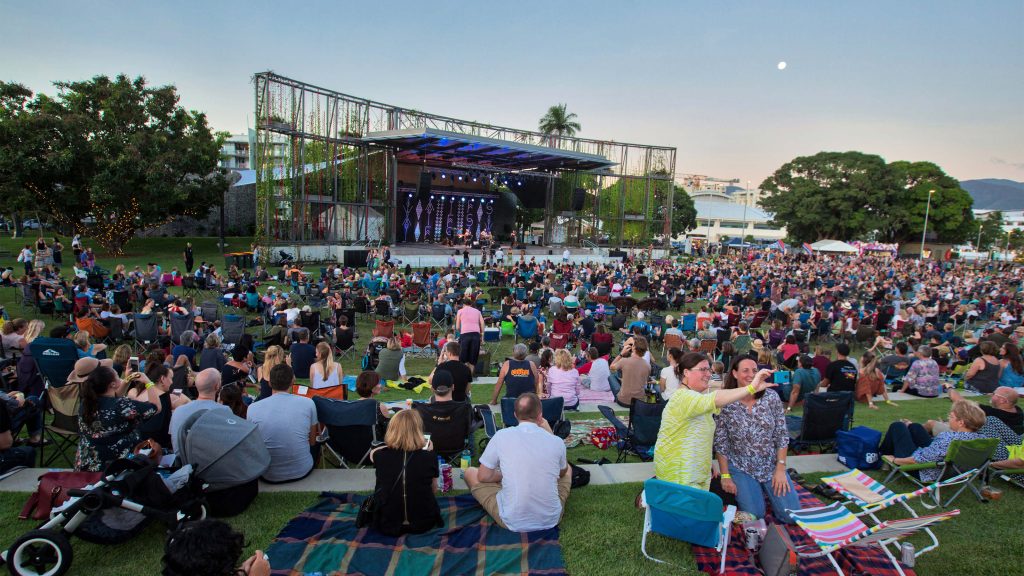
column 778, row 556
column 53, row 491
column 368, row 509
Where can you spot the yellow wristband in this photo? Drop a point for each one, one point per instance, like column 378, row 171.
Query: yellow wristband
column 149, row 385
column 726, row 476
column 751, row 390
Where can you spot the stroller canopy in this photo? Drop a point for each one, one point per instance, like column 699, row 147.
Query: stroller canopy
column 224, row 450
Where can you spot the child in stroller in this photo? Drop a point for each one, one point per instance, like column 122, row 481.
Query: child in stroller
column 111, row 511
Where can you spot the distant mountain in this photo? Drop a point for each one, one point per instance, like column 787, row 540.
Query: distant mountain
column 995, row 194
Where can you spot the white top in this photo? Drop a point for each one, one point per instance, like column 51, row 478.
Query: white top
column 599, row 375
column 284, row 421
column 671, row 381
column 566, row 254
column 530, row 459
column 317, row 380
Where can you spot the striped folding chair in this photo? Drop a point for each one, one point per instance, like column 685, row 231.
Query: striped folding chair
column 871, row 497
column 833, row 528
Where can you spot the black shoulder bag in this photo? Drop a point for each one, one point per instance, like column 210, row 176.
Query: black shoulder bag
column 368, row 509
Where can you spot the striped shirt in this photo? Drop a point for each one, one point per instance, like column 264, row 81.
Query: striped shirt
column 683, row 452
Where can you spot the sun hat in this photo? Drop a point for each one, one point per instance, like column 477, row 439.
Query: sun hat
column 86, row 366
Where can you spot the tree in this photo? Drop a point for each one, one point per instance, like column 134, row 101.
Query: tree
column 126, row 154
column 1016, row 239
column 559, row 122
column 828, row 195
column 988, row 232
column 901, row 218
column 684, row 213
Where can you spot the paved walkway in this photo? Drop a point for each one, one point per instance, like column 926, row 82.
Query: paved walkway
column 363, row 480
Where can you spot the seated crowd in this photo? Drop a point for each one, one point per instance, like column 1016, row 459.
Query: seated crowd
column 724, row 426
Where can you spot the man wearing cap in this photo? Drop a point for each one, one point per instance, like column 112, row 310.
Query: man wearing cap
column 446, row 421
column 207, row 386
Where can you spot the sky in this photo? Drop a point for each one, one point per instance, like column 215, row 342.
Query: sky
column 935, row 80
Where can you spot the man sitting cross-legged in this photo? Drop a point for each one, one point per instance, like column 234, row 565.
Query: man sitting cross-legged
column 523, row 480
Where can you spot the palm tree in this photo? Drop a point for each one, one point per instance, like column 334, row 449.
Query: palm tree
column 558, row 122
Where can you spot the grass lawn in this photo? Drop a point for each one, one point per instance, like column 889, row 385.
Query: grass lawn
column 601, row 529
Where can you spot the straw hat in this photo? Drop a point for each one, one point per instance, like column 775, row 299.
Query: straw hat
column 756, row 344
column 86, row 366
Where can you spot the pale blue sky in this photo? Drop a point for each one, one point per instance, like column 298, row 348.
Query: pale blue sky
column 912, row 80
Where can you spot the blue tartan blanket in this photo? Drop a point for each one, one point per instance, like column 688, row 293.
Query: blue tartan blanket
column 324, row 539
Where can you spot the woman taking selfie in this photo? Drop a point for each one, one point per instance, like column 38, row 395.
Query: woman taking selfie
column 683, row 451
column 751, row 441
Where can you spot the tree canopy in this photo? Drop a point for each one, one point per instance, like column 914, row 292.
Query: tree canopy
column 117, row 150
column 853, row 195
column 559, row 122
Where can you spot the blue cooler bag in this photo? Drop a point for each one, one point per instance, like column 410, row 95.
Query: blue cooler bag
column 858, row 448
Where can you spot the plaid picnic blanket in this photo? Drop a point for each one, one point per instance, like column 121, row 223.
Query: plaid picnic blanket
column 324, row 540
column 853, row 560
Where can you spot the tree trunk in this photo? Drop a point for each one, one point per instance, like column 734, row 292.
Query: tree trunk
column 18, row 229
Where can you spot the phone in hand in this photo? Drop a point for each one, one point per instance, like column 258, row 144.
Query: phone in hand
column 782, row 377
column 426, row 445
column 133, row 364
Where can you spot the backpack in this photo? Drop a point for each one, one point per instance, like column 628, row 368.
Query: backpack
column 366, row 363
column 858, row 448
column 580, row 476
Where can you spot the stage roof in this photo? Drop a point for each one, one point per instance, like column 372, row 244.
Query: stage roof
column 442, row 148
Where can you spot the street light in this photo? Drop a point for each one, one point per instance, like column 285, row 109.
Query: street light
column 925, row 231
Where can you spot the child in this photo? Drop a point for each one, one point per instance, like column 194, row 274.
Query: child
column 717, row 376
column 406, row 337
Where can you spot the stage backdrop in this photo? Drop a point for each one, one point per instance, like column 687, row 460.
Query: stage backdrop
column 446, row 214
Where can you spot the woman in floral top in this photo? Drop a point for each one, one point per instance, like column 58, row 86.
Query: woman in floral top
column 909, row 443
column 923, row 377
column 751, row 442
column 108, row 423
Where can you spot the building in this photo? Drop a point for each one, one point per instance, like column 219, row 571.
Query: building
column 238, row 151
column 1012, row 219
column 727, row 211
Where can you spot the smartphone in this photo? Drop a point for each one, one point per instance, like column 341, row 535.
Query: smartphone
column 782, row 377
column 427, row 444
column 133, row 364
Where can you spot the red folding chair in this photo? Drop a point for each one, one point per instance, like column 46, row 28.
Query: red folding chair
column 559, row 341
column 384, row 328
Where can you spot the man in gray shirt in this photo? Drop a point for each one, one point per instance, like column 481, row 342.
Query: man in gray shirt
column 288, row 425
column 207, row 386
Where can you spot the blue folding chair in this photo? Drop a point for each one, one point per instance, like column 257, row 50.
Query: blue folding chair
column 552, row 408
column 350, row 431
column 55, row 359
column 688, row 323
column 527, row 329
column 688, row 514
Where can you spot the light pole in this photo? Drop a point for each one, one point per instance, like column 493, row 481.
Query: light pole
column 925, row 231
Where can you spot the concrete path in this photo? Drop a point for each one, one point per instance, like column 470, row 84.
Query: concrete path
column 363, row 480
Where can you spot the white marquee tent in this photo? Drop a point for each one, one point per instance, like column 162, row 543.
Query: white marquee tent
column 833, row 246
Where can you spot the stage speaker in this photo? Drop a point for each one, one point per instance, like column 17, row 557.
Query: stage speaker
column 579, row 196
column 356, row 258
column 424, row 185
column 611, row 254
column 531, row 193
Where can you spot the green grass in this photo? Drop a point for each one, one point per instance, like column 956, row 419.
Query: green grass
column 600, row 530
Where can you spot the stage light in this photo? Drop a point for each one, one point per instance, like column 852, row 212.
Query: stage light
column 460, row 177
column 463, row 199
column 474, row 178
column 443, row 175
column 442, row 197
column 410, row 195
column 519, row 183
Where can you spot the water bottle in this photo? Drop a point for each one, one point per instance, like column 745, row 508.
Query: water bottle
column 907, row 554
column 465, row 460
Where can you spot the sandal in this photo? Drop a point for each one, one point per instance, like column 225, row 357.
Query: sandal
column 891, row 403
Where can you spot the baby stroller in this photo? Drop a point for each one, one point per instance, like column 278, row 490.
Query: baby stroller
column 112, row 511
column 372, row 355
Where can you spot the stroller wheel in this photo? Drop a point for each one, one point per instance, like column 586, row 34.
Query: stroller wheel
column 40, row 553
column 194, row 512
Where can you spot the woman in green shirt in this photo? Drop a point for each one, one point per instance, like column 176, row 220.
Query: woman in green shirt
column 683, row 451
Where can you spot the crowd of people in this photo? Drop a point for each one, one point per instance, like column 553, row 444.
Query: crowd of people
column 590, row 334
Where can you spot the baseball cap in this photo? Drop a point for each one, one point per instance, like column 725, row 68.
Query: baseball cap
column 442, row 381
column 86, row 366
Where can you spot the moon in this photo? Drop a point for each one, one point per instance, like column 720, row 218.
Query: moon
column 782, row 65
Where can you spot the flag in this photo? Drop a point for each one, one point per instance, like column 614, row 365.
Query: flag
column 808, row 248
column 781, row 244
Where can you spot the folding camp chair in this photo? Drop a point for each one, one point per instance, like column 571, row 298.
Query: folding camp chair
column 211, row 311
column 350, row 429
column 232, row 327
column 553, row 410
column 688, row 323
column 871, row 496
column 962, row 456
column 708, row 347
column 384, row 329
column 146, row 330
column 833, row 528
column 640, row 435
column 688, row 514
column 410, row 312
column 489, row 425
column 179, row 324
column 439, row 316
column 62, row 402
column 508, row 328
column 422, row 340
column 559, row 341
column 311, row 321
column 672, row 341
column 527, row 329
column 55, row 359
column 825, row 414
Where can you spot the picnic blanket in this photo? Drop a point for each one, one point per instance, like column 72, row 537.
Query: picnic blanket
column 579, row 433
column 324, row 539
column 853, row 560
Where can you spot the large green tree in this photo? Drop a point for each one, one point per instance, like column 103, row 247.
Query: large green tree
column 124, row 153
column 987, row 233
column 950, row 218
column 828, row 195
column 559, row 122
column 684, row 213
